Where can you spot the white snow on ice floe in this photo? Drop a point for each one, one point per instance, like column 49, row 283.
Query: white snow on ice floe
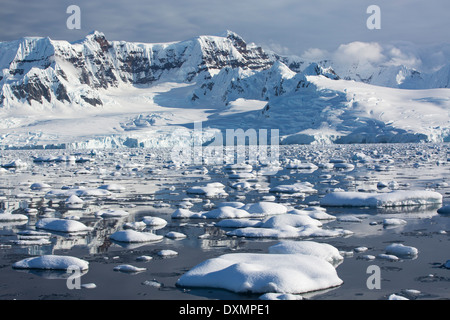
column 393, row 222
column 213, row 189
column 389, row 199
column 311, row 248
column 128, row 268
column 234, row 210
column 132, row 236
column 300, row 187
column 401, row 250
column 154, row 221
column 263, row 273
column 7, row 217
column 112, row 213
column 51, row 262
column 62, row 225
column 167, row 253
column 280, row 296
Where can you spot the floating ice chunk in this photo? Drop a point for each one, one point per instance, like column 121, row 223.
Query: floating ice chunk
column 181, row 213
column 368, row 257
column 112, row 187
column 300, row 187
column 265, row 208
column 288, row 232
column 401, row 250
column 8, row 217
column 389, row 257
column 144, row 258
column 263, row 273
column 234, row 204
column 17, row 164
column 396, row 297
column 314, row 212
column 51, row 262
column 175, row 235
column 213, row 189
column 280, row 296
column 344, row 166
column 393, row 222
column 447, row 264
column 312, row 248
column 133, row 236
column 152, row 283
column 40, row 186
column 389, row 199
column 281, row 221
column 112, row 213
column 135, row 225
column 167, row 253
column 226, row 212
column 348, row 219
column 128, row 268
column 62, row 225
column 241, row 175
column 73, row 199
column 154, row 221
column 89, row 285
column 31, row 242
column 361, row 249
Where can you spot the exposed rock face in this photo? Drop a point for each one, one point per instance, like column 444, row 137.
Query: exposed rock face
column 46, row 71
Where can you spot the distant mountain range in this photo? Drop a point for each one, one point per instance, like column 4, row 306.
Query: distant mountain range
column 308, row 101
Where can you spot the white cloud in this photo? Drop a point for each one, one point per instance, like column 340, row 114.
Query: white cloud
column 315, row 54
column 359, row 52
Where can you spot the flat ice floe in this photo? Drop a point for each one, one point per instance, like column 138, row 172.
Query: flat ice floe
column 62, row 225
column 51, row 262
column 234, row 210
column 401, row 250
column 7, row 217
column 128, row 268
column 263, row 273
column 389, row 199
column 311, row 248
column 213, row 189
column 132, row 236
column 286, row 226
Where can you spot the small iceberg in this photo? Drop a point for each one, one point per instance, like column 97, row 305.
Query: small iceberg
column 390, row 199
column 132, row 236
column 51, row 262
column 263, row 273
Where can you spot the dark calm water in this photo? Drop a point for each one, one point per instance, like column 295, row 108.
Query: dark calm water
column 152, row 186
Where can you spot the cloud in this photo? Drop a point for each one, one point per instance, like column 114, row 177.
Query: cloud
column 315, row 54
column 359, row 52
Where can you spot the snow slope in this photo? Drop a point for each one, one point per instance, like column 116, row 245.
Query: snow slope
column 96, row 93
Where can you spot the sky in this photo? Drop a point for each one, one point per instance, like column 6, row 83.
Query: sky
column 296, row 27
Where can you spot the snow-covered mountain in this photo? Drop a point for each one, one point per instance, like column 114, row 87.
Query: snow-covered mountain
column 48, row 71
column 96, row 92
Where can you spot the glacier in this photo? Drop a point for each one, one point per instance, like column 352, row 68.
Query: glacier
column 96, row 93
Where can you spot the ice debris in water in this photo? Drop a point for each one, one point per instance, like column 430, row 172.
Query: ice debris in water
column 263, row 273
column 62, row 225
column 133, row 236
column 128, row 268
column 51, row 262
column 389, row 199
